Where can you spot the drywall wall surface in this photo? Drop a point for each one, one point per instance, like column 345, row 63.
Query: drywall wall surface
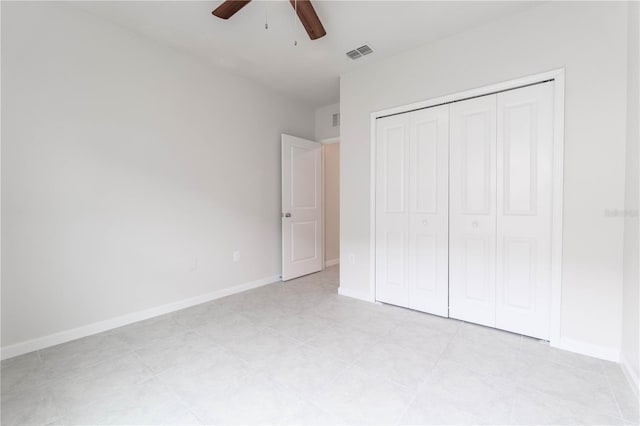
column 332, row 203
column 631, row 296
column 325, row 128
column 131, row 172
column 589, row 40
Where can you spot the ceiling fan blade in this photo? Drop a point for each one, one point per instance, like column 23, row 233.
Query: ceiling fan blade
column 309, row 18
column 229, row 8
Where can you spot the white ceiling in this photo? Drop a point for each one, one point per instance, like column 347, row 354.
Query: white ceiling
column 308, row 72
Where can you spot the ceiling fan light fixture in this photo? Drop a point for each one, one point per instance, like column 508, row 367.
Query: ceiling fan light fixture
column 302, row 8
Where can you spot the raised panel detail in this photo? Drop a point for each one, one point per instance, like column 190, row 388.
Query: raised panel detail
column 427, row 251
column 394, row 173
column 426, row 187
column 476, row 269
column 395, row 258
column 519, row 272
column 524, row 152
column 303, row 166
column 476, row 163
column 472, row 207
column 520, row 158
column 426, row 262
column 303, row 238
column 392, row 208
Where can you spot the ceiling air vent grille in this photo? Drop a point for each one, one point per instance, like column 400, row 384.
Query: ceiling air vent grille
column 359, row 52
column 364, row 50
column 354, row 54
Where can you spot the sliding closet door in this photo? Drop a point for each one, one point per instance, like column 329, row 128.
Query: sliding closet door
column 392, row 209
column 472, row 203
column 428, row 210
column 524, row 199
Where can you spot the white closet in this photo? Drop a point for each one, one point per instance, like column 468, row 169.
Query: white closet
column 464, row 207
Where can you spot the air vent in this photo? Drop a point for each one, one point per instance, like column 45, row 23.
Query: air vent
column 364, row 50
column 354, row 54
column 335, row 119
column 359, row 52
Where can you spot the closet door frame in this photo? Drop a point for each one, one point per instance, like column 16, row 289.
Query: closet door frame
column 558, row 78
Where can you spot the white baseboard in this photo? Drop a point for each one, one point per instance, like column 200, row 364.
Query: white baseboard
column 630, row 374
column 603, row 352
column 332, row 262
column 98, row 327
column 345, row 291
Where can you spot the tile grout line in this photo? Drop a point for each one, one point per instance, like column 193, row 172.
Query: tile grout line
column 613, row 393
column 180, row 400
column 513, row 400
column 67, row 412
column 156, row 375
column 347, row 366
column 418, row 388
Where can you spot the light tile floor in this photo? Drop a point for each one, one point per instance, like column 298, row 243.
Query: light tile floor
column 298, row 353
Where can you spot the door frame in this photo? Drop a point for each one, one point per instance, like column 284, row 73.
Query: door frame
column 558, row 76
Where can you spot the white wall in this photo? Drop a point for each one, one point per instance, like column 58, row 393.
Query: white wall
column 130, row 173
column 332, row 202
column 324, row 122
column 631, row 298
column 590, row 41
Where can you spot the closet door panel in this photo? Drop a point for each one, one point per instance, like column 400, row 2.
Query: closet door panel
column 428, row 210
column 392, row 209
column 472, row 228
column 524, row 199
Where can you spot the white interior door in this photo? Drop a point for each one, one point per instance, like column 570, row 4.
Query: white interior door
column 392, row 209
column 472, row 204
column 428, row 235
column 524, row 199
column 302, row 245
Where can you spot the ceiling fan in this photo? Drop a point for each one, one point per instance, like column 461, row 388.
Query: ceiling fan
column 304, row 9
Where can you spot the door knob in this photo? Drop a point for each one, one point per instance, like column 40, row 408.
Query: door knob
column 287, row 214
column 425, row 222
